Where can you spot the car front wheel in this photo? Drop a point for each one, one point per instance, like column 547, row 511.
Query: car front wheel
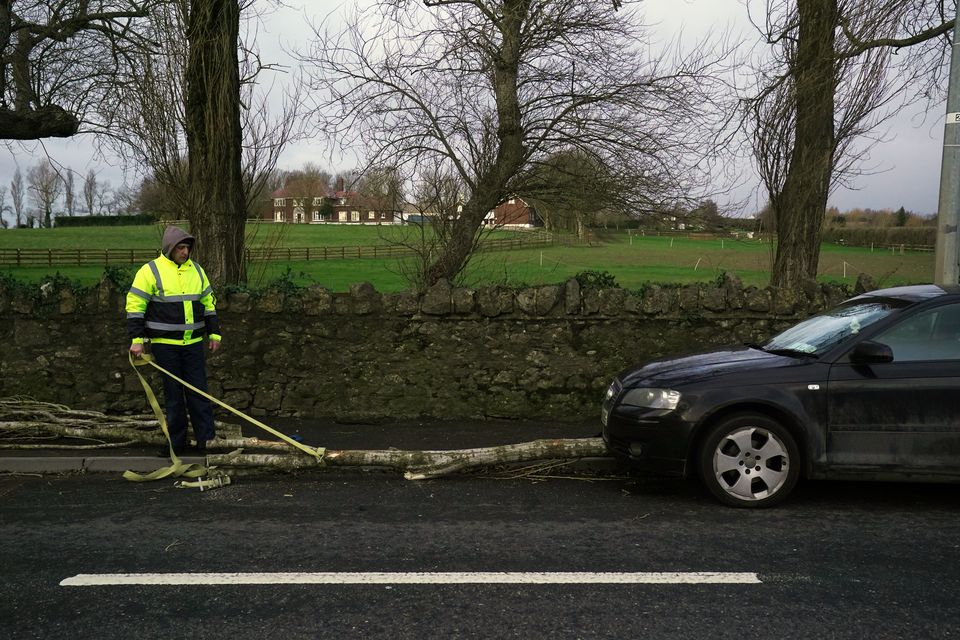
column 749, row 461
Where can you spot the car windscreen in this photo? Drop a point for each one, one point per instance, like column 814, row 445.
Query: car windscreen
column 823, row 331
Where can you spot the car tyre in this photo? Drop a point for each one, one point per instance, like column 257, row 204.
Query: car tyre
column 749, row 461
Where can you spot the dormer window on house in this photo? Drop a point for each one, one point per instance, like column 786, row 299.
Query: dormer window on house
column 317, row 201
column 279, row 202
column 343, row 201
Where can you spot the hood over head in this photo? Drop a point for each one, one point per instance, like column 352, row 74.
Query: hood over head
column 172, row 236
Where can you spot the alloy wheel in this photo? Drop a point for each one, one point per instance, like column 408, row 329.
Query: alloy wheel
column 750, row 464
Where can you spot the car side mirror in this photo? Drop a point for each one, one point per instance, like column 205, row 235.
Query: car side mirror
column 869, row 352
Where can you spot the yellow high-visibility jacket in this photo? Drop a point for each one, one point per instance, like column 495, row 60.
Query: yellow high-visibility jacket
column 171, row 304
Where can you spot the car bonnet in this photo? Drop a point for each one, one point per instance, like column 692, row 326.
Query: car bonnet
column 700, row 366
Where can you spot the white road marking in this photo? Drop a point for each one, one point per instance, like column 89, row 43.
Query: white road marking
column 470, row 577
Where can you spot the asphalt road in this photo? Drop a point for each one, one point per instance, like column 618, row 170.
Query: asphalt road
column 838, row 561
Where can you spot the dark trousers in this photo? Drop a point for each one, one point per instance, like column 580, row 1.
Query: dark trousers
column 187, row 363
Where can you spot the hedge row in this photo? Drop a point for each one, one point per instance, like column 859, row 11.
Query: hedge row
column 106, row 221
column 882, row 236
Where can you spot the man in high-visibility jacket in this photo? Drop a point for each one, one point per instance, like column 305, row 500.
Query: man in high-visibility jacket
column 171, row 305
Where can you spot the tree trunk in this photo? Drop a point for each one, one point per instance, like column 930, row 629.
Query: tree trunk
column 50, row 121
column 490, row 187
column 421, row 465
column 216, row 207
column 801, row 205
column 455, row 253
column 581, row 226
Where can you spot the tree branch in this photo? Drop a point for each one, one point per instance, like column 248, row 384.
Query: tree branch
column 861, row 46
column 46, row 122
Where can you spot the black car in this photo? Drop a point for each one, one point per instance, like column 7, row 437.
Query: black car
column 869, row 390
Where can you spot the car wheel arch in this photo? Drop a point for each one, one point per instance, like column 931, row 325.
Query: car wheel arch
column 789, row 422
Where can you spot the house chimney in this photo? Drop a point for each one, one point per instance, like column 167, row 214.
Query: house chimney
column 339, row 186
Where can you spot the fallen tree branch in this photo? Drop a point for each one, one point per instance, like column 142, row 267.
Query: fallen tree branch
column 421, row 465
column 70, row 447
column 26, row 419
column 28, row 424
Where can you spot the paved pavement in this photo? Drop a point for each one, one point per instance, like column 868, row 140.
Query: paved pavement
column 409, row 435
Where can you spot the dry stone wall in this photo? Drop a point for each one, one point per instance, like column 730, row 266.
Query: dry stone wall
column 544, row 353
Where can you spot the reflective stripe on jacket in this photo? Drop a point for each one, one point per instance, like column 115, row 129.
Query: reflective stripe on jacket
column 171, row 304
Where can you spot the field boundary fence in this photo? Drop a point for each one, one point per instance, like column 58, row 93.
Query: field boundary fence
column 73, row 257
column 107, row 257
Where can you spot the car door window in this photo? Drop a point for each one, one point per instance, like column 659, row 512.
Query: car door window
column 930, row 335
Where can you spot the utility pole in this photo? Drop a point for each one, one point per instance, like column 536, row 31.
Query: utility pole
column 948, row 214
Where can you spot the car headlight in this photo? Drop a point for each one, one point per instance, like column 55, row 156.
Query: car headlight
column 652, row 398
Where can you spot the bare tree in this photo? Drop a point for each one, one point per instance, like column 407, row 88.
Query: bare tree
column 314, row 170
column 18, row 192
column 90, row 191
column 830, row 85
column 490, row 89
column 156, row 199
column 125, row 201
column 60, row 62
column 309, row 180
column 4, row 207
column 572, row 190
column 69, row 193
column 382, row 188
column 436, row 202
column 45, row 186
column 170, row 126
column 267, row 130
column 151, row 111
column 347, row 179
column 103, row 202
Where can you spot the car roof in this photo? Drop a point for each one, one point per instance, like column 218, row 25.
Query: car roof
column 913, row 293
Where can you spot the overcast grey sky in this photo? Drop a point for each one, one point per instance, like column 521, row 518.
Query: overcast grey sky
column 904, row 170
column 906, row 167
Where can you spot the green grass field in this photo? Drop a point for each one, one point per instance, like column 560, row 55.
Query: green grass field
column 639, row 260
column 633, row 260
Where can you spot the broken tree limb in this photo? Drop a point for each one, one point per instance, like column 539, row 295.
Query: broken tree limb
column 421, row 465
column 129, row 432
column 28, row 424
column 68, row 447
column 21, row 429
